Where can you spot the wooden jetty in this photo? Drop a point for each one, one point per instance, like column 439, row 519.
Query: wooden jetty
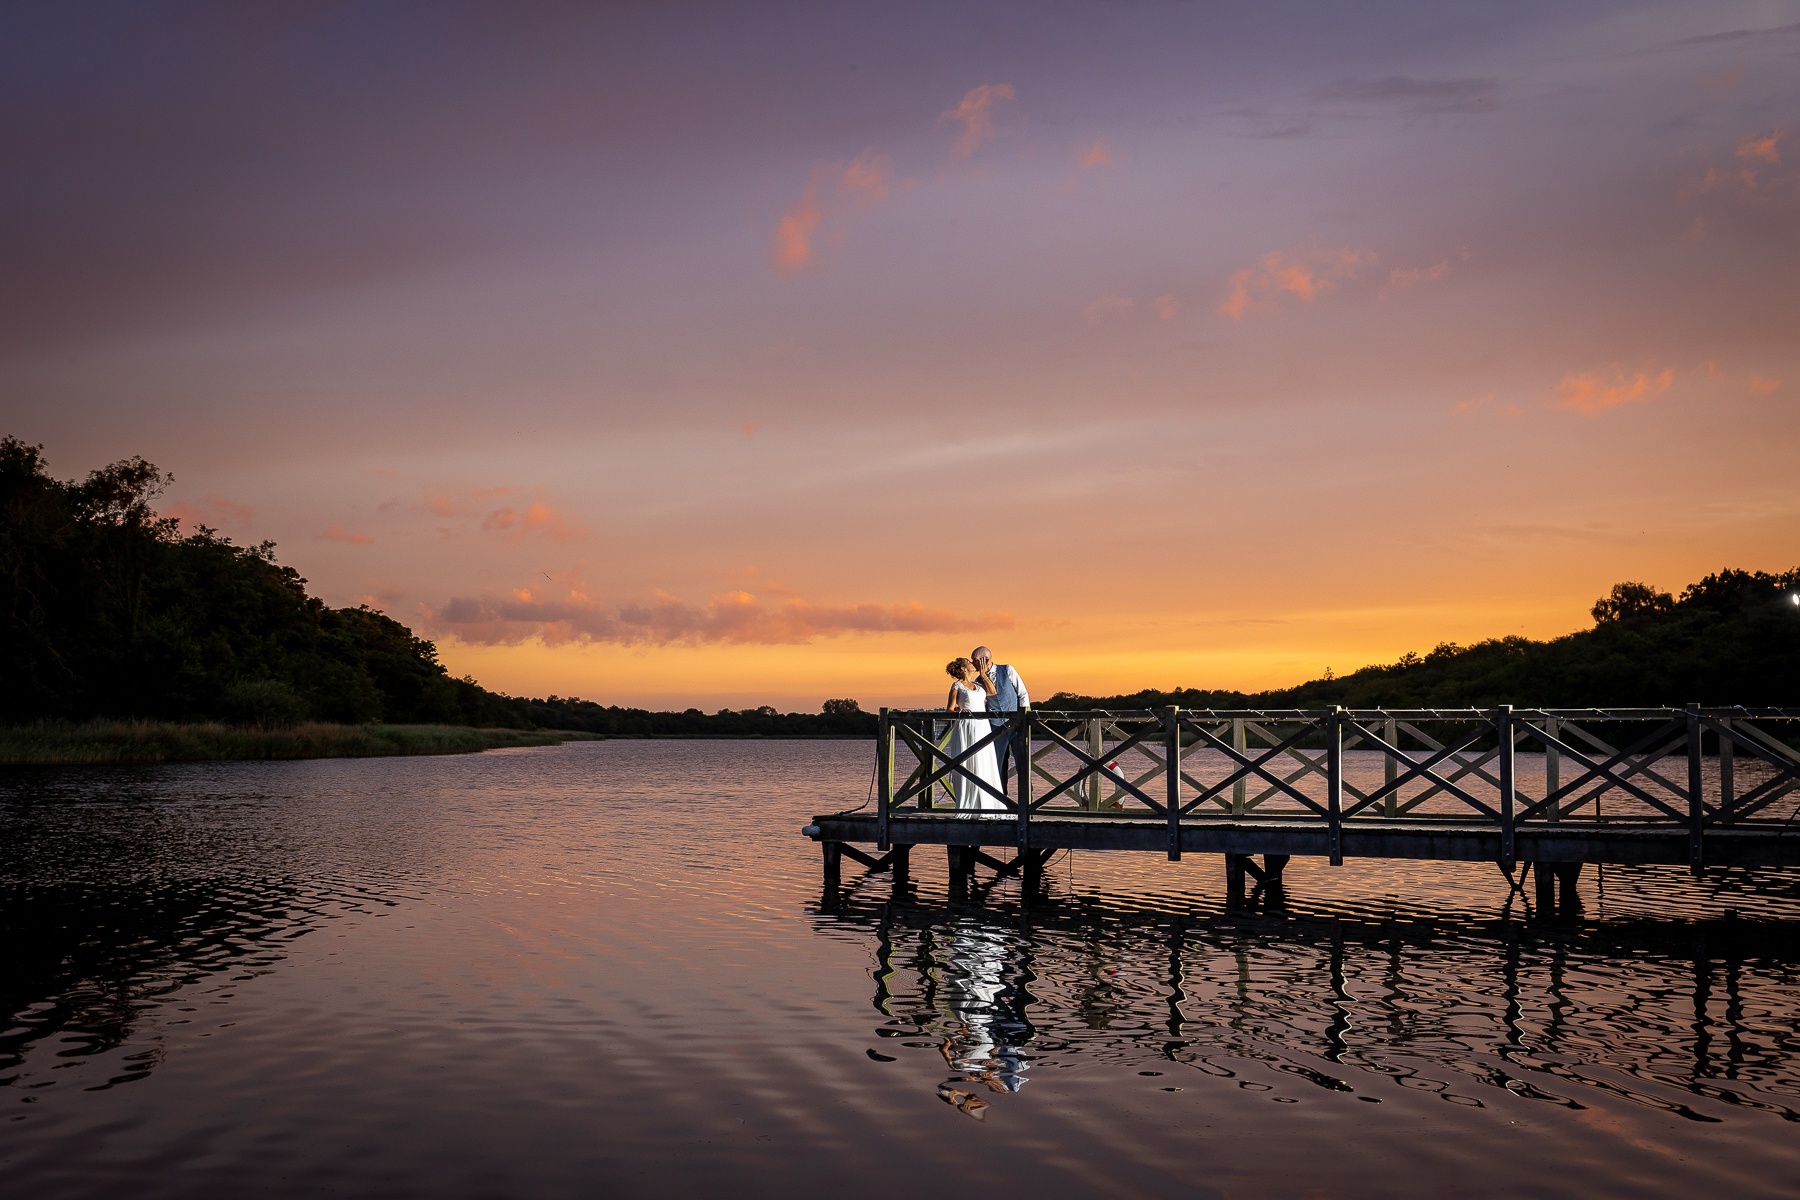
column 1550, row 789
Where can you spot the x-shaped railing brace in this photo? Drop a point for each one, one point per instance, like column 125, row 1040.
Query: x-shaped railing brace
column 955, row 764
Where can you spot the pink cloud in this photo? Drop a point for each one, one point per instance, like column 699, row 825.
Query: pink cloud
column 214, row 512
column 1468, row 407
column 337, row 533
column 1167, row 308
column 736, row 617
column 1753, row 180
column 871, row 177
column 1401, row 279
column 537, row 517
column 1306, row 273
column 1590, row 394
column 845, row 187
column 1758, row 386
column 792, row 251
column 529, row 513
column 1762, row 149
column 976, row 112
column 1096, row 155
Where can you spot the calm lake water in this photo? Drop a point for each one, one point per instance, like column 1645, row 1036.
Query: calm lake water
column 606, row 969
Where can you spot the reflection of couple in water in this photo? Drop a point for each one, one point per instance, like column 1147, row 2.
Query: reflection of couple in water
column 983, row 686
column 983, row 1049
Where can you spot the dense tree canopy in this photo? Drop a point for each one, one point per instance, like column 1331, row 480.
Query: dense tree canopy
column 107, row 609
column 1732, row 638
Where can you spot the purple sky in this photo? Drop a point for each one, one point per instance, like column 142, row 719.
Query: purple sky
column 680, row 355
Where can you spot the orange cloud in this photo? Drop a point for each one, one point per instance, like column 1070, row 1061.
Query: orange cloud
column 337, row 533
column 1590, row 395
column 1402, row 278
column 1726, row 81
column 1763, row 149
column 870, row 176
column 1468, row 407
column 738, row 617
column 1106, row 306
column 1096, row 155
column 1167, row 307
column 1743, row 181
column 976, row 112
column 1307, row 273
column 792, row 251
column 868, row 180
column 536, row 517
column 1758, row 386
column 1751, row 180
column 212, row 512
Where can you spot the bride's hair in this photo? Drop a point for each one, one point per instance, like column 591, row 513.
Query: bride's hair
column 954, row 668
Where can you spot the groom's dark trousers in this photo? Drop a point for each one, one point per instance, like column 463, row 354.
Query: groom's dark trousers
column 1012, row 750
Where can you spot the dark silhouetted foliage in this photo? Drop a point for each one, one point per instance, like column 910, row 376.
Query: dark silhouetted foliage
column 108, row 611
column 1732, row 638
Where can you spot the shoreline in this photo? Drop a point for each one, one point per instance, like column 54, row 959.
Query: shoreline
column 93, row 743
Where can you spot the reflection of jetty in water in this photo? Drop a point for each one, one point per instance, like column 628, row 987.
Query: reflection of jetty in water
column 1695, row 1018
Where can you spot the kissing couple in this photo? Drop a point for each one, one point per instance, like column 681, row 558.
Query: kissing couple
column 985, row 686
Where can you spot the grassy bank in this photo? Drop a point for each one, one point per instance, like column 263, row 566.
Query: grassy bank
column 53, row 742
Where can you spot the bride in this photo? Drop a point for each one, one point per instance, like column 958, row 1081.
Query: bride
column 970, row 694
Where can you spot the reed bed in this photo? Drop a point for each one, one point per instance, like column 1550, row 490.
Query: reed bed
column 50, row 743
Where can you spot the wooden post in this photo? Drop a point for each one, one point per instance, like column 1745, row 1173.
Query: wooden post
column 1727, row 772
column 1273, row 866
column 1544, row 875
column 960, row 863
column 1096, row 732
column 1552, row 767
column 902, row 867
column 1696, row 803
column 834, row 857
column 1568, row 899
column 1390, row 729
column 1022, row 764
column 1334, row 784
column 1234, row 880
column 1503, row 728
column 1240, row 791
column 884, row 771
column 1033, row 875
column 1172, row 770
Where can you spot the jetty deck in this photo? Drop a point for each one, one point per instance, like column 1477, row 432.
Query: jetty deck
column 1547, row 789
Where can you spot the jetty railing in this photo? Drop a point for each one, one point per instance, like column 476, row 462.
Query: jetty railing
column 1695, row 768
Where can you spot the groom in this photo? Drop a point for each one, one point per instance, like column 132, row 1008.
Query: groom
column 1009, row 696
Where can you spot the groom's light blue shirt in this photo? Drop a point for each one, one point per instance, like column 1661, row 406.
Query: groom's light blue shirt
column 1009, row 692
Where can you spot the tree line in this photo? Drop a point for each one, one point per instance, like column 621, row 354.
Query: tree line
column 1733, row 638
column 108, row 609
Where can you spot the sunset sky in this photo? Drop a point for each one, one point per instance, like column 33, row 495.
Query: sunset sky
column 683, row 355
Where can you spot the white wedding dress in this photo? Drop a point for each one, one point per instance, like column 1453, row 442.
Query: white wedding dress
column 985, row 763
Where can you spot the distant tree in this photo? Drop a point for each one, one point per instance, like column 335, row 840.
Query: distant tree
column 840, row 708
column 1731, row 638
column 1628, row 600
